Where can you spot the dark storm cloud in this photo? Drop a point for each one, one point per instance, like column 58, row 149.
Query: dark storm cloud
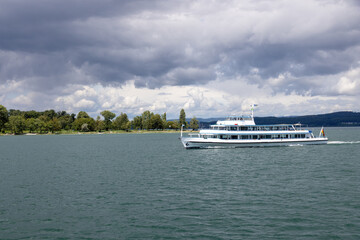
column 155, row 43
column 42, row 25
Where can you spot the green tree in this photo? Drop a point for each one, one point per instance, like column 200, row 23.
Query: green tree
column 173, row 124
column 82, row 114
column 137, row 122
column 146, row 120
column 65, row 121
column 194, row 123
column 50, row 113
column 156, row 122
column 16, row 124
column 73, row 116
column 44, row 118
column 62, row 114
column 182, row 118
column 41, row 124
column 3, row 117
column 31, row 114
column 108, row 116
column 54, row 125
column 163, row 118
column 122, row 122
column 99, row 124
column 31, row 124
column 13, row 112
column 79, row 122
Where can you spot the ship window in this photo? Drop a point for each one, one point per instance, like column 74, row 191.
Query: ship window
column 223, row 136
column 302, row 135
column 255, row 136
column 233, row 128
column 234, row 136
column 244, row 128
column 245, row 137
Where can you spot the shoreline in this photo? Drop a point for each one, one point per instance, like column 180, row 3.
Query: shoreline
column 98, row 133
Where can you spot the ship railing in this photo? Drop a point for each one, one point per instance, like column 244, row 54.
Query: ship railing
column 277, row 127
column 287, row 127
column 194, row 135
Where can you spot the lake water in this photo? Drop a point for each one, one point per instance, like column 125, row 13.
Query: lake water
column 147, row 186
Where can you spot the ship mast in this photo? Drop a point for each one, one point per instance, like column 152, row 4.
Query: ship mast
column 252, row 110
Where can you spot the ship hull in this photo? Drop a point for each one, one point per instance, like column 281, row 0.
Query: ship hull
column 189, row 142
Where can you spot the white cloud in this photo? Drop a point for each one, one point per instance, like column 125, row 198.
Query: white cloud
column 349, row 84
column 22, row 100
column 84, row 104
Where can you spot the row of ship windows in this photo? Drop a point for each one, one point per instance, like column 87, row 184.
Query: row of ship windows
column 274, row 136
column 256, row 128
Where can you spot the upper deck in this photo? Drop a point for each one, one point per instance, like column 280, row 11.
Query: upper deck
column 277, row 127
column 255, row 129
column 245, row 120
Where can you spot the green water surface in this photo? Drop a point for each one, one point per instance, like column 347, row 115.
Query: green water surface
column 147, row 186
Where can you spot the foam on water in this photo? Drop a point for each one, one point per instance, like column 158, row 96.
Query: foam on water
column 343, row 142
column 296, row 145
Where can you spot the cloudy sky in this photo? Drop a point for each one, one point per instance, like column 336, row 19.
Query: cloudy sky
column 212, row 58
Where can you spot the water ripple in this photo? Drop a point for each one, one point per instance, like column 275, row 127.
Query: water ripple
column 149, row 187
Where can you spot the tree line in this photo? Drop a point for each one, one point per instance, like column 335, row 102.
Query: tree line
column 16, row 121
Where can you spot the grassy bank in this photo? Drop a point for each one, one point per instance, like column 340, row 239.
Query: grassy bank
column 71, row 132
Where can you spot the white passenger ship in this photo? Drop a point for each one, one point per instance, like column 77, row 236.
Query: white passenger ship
column 241, row 131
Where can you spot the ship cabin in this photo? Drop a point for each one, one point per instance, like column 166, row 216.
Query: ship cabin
column 244, row 128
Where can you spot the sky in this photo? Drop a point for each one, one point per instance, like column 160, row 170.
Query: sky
column 212, row 58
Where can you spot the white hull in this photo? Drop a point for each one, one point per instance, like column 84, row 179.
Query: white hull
column 190, row 142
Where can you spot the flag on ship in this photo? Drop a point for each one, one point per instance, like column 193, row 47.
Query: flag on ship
column 253, row 106
column 322, row 132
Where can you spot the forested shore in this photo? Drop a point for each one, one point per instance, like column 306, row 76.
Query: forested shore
column 14, row 121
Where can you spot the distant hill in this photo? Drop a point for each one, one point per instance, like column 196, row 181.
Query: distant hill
column 336, row 119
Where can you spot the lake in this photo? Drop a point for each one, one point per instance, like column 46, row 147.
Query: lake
column 147, row 186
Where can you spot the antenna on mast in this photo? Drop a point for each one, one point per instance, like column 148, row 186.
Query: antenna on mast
column 252, row 110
